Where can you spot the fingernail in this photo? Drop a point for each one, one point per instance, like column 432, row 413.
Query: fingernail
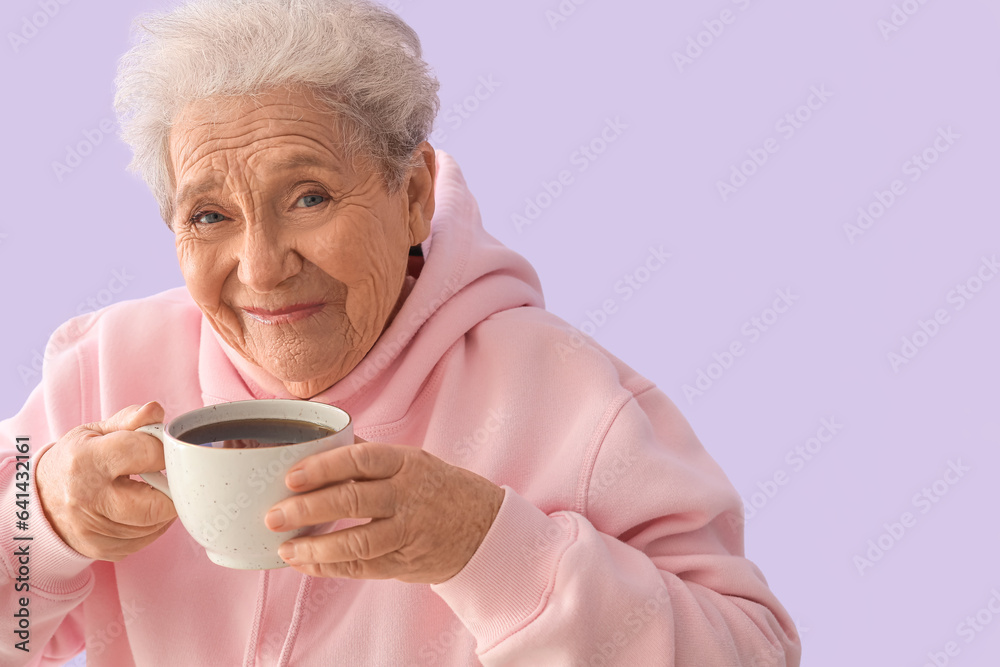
column 275, row 518
column 287, row 551
column 145, row 406
column 296, row 478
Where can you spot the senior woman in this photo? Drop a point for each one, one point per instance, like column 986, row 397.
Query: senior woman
column 330, row 254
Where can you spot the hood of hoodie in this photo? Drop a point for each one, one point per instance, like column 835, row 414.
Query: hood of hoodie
column 466, row 276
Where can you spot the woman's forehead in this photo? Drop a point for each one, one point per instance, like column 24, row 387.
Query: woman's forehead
column 277, row 133
column 252, row 119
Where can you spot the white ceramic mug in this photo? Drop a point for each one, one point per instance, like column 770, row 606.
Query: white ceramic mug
column 221, row 495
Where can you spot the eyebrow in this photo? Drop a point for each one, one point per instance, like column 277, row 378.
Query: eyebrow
column 296, row 161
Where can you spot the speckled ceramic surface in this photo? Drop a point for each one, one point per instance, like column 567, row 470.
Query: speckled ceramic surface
column 222, row 495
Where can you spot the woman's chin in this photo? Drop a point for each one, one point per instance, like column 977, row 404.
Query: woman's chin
column 306, row 390
column 308, row 379
column 302, row 355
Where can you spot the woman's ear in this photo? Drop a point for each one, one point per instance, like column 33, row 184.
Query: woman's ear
column 420, row 192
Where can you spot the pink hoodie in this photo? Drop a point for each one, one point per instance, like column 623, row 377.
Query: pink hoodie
column 619, row 541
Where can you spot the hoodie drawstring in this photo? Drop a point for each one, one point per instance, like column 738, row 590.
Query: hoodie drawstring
column 305, row 585
column 251, row 652
column 293, row 630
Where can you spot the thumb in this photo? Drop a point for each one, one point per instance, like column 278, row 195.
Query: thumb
column 130, row 418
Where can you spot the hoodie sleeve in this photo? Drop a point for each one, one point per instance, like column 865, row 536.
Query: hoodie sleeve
column 42, row 579
column 650, row 573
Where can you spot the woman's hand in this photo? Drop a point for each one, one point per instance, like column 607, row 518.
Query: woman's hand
column 84, row 487
column 427, row 517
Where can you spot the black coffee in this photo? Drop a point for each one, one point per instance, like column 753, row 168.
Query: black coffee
column 252, row 433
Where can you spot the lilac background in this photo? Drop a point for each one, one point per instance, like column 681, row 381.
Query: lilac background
column 62, row 240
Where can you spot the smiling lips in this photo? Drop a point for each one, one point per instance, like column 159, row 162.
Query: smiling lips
column 284, row 315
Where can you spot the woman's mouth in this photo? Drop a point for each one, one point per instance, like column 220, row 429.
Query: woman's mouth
column 284, row 315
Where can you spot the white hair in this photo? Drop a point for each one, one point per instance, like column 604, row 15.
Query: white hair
column 362, row 62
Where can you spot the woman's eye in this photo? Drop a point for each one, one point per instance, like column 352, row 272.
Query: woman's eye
column 310, row 201
column 208, row 218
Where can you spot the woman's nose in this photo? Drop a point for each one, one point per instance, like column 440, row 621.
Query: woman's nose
column 266, row 259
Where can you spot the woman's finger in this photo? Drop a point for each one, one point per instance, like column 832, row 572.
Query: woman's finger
column 88, row 522
column 115, row 548
column 124, row 453
column 347, row 500
column 365, row 542
column 365, row 461
column 131, row 503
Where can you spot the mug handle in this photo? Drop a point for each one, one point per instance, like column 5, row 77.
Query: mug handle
column 157, row 480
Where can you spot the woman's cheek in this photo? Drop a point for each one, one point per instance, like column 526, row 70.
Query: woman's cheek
column 190, row 259
column 364, row 309
column 360, row 276
column 202, row 268
column 352, row 247
column 205, row 272
column 368, row 309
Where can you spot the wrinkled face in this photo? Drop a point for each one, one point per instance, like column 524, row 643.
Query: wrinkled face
column 296, row 257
